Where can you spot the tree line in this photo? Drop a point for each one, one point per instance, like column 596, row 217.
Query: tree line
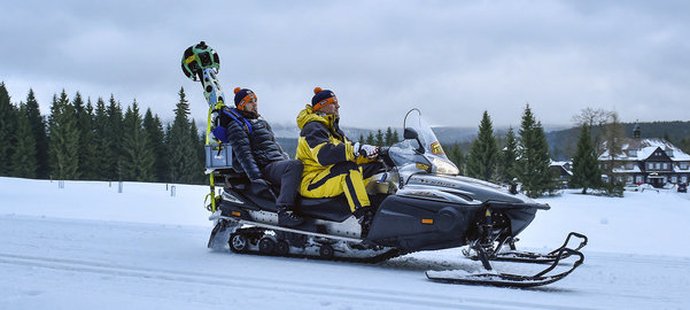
column 522, row 158
column 525, row 158
column 388, row 138
column 82, row 140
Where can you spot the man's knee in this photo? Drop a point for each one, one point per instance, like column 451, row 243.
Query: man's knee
column 295, row 165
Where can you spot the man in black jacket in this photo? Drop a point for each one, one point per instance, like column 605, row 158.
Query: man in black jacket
column 260, row 156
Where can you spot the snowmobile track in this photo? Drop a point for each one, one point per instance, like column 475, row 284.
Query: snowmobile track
column 423, row 300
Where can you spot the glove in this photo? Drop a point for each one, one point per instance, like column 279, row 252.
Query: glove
column 370, row 150
column 366, row 150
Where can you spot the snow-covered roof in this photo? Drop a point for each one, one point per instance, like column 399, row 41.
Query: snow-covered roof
column 641, row 149
column 561, row 163
column 565, row 165
column 635, row 169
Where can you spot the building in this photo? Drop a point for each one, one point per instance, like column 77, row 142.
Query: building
column 654, row 161
column 561, row 171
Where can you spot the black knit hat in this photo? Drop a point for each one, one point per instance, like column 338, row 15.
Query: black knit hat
column 321, row 96
column 241, row 93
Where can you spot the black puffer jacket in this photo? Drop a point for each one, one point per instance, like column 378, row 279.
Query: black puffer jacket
column 253, row 144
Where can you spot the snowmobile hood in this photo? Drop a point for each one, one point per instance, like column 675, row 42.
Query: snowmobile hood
column 308, row 115
column 477, row 189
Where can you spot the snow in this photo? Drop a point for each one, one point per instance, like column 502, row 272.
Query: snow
column 87, row 246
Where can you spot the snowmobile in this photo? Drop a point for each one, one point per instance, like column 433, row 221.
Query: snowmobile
column 420, row 200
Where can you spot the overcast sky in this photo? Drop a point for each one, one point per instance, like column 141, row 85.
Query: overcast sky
column 452, row 59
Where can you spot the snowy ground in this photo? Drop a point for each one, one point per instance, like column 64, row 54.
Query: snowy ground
column 87, row 246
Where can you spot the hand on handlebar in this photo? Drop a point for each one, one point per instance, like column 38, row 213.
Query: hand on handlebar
column 366, row 150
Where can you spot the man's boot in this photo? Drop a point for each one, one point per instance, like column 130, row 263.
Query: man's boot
column 287, row 218
column 364, row 215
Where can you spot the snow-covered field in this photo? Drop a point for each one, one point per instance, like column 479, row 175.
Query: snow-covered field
column 86, row 246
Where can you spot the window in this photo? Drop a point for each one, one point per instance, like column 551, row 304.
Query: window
column 684, row 166
column 664, row 166
column 657, row 166
column 632, row 153
column 650, row 166
column 674, row 179
column 629, row 180
column 629, row 166
column 684, row 179
column 638, row 179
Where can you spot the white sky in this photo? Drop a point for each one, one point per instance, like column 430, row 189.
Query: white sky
column 452, row 59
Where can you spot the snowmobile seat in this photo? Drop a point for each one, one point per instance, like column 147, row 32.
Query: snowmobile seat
column 333, row 209
column 233, row 177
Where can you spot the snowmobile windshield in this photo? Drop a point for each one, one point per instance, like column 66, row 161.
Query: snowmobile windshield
column 421, row 149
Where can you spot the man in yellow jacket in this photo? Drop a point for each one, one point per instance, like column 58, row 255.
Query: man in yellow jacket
column 333, row 165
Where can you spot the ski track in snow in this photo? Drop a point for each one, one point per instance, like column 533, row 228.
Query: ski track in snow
column 373, row 295
column 138, row 254
column 144, row 249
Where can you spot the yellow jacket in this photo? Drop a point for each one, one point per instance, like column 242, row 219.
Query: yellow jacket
column 321, row 143
column 330, row 165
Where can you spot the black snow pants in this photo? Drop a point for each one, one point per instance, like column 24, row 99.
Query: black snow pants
column 286, row 174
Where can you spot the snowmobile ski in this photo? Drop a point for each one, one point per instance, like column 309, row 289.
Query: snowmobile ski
column 514, row 255
column 510, row 280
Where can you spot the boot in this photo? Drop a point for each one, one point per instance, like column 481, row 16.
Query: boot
column 364, row 215
column 287, row 218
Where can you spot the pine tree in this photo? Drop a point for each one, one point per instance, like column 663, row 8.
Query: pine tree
column 64, row 139
column 388, row 137
column 508, row 158
column 39, row 134
column 199, row 164
column 155, row 135
column 23, row 160
column 481, row 162
column 379, row 138
column 182, row 154
column 137, row 154
column 113, row 132
column 533, row 162
column 370, row 139
column 361, row 138
column 8, row 128
column 102, row 142
column 395, row 139
column 457, row 157
column 88, row 161
column 586, row 172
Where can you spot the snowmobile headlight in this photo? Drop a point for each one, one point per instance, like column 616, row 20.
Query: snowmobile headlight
column 444, row 166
